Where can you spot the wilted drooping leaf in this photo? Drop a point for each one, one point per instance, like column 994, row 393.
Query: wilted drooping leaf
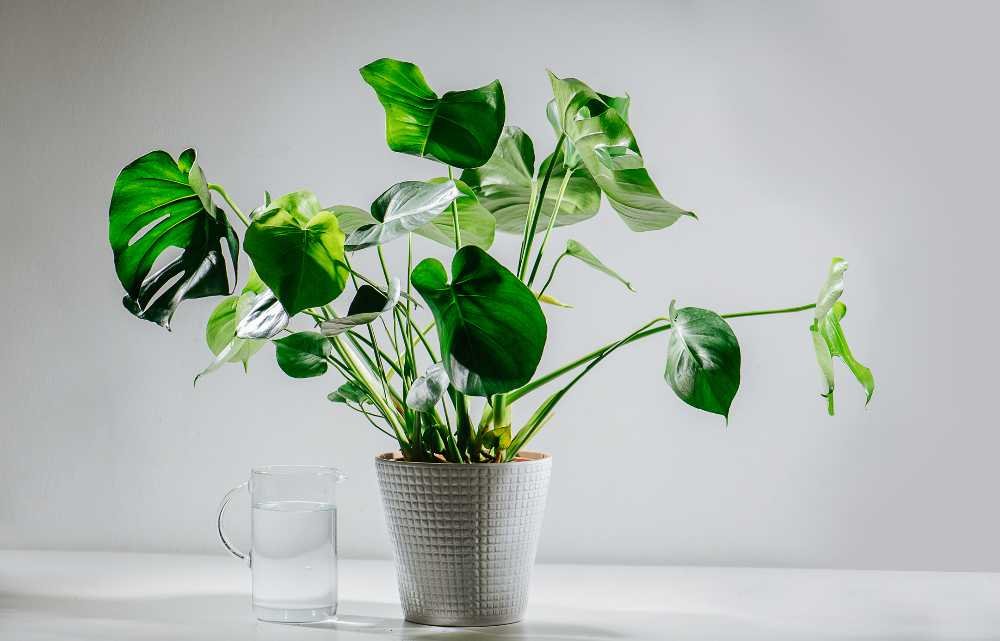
column 403, row 208
column 428, row 389
column 828, row 336
column 609, row 151
column 298, row 250
column 159, row 204
column 368, row 305
column 703, row 360
column 459, row 128
column 303, row 354
column 491, row 328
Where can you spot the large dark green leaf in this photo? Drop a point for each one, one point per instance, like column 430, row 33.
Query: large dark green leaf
column 459, row 128
column 491, row 328
column 608, row 149
column 157, row 204
column 506, row 183
column 403, row 208
column 303, row 354
column 298, row 251
column 703, row 360
column 828, row 336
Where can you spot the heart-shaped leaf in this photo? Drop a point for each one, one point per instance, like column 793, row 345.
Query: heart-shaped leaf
column 403, row 208
column 828, row 336
column 428, row 389
column 490, row 326
column 607, row 148
column 158, row 204
column 368, row 304
column 298, row 251
column 505, row 186
column 459, row 128
column 703, row 360
column 303, row 354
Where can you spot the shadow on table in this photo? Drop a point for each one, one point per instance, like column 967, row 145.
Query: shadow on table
column 398, row 627
column 205, row 615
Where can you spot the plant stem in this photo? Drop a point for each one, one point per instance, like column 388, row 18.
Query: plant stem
column 454, row 216
column 586, row 358
column 552, row 223
column 229, row 201
column 548, row 281
column 531, row 225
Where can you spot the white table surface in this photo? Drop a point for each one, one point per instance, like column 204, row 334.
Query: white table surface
column 112, row 596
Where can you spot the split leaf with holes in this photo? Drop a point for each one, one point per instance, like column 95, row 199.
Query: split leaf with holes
column 609, row 151
column 159, row 204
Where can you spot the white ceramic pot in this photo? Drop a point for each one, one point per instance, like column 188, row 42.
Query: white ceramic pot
column 464, row 536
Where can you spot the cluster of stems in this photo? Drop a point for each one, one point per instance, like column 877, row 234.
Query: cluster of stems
column 381, row 363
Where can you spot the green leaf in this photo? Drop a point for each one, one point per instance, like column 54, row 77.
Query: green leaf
column 158, row 204
column 703, row 360
column 828, row 336
column 505, row 185
column 401, row 209
column 303, row 354
column 477, row 223
column 576, row 250
column 221, row 329
column 298, row 251
column 608, row 149
column 491, row 327
column 349, row 392
column 460, row 128
column 351, row 218
column 570, row 157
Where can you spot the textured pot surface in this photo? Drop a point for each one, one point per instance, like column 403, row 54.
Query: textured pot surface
column 464, row 536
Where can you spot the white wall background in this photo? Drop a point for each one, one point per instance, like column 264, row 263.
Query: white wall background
column 797, row 131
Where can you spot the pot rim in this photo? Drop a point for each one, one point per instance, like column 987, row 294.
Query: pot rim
column 524, row 456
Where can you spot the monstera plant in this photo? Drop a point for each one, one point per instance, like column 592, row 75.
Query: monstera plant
column 412, row 348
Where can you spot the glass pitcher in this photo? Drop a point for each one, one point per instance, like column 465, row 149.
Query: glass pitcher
column 293, row 541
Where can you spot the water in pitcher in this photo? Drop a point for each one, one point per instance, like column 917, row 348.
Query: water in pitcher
column 294, row 560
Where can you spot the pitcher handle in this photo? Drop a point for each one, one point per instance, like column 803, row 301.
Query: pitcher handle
column 222, row 509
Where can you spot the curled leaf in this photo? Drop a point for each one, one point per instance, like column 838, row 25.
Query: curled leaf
column 368, row 305
column 401, row 209
column 428, row 389
column 349, row 392
column 265, row 318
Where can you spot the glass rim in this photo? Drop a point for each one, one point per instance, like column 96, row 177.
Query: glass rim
column 297, row 470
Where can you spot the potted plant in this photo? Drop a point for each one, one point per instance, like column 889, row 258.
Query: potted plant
column 463, row 497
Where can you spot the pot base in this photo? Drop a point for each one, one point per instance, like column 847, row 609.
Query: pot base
column 461, row 622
